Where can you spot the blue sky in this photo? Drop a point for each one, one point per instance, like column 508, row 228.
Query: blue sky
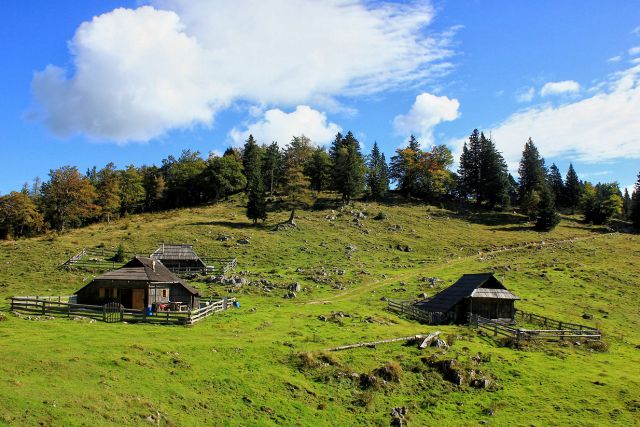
column 144, row 80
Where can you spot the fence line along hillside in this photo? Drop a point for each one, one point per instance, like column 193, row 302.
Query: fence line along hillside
column 103, row 259
column 565, row 330
column 65, row 306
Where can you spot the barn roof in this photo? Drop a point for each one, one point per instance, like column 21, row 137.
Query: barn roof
column 142, row 269
column 175, row 252
column 480, row 285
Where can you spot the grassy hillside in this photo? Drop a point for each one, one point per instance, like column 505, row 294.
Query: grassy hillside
column 245, row 367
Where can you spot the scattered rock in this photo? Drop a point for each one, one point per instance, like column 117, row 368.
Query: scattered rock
column 290, row 295
column 422, row 295
column 243, row 241
column 295, row 287
column 398, row 416
column 587, row 316
column 403, row 248
column 223, row 238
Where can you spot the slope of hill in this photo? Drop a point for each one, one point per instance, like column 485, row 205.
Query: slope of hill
column 261, row 364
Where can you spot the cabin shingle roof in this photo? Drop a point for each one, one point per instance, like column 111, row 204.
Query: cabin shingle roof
column 480, row 285
column 142, row 269
column 175, row 253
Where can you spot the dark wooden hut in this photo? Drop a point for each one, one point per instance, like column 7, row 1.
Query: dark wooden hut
column 480, row 294
column 140, row 283
column 179, row 258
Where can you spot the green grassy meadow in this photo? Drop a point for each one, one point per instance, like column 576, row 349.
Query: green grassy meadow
column 243, row 367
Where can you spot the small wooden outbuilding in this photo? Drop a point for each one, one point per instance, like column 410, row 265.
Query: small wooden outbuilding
column 140, row 283
column 179, row 258
column 481, row 294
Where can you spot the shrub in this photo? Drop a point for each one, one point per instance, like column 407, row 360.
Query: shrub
column 390, row 371
column 380, row 216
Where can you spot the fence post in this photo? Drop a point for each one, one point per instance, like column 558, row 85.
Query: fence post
column 224, row 303
column 495, row 331
column 104, row 313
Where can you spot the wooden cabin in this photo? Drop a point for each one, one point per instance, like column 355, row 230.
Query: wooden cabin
column 480, row 294
column 179, row 258
column 140, row 283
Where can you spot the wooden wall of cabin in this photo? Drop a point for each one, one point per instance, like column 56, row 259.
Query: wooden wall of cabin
column 101, row 292
column 178, row 293
column 492, row 308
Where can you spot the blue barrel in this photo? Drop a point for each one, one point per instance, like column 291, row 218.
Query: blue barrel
column 236, row 304
column 149, row 311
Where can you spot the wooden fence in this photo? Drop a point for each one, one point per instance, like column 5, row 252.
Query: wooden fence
column 61, row 306
column 101, row 259
column 570, row 331
column 408, row 309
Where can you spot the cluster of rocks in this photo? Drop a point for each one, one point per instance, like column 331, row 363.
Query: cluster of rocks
column 221, row 279
column 395, row 228
column 403, row 248
column 335, row 317
column 454, row 371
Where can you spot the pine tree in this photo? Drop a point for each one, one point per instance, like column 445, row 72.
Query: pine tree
column 318, row 169
column 626, row 205
column 377, row 174
column 272, row 167
column 532, row 178
column 469, row 171
column 252, row 162
column 572, row 189
column 546, row 216
column 349, row 168
column 635, row 205
column 556, row 184
column 296, row 182
column 493, row 185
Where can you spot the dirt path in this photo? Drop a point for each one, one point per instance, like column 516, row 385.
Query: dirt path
column 378, row 283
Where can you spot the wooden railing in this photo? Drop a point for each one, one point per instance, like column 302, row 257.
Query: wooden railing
column 408, row 309
column 60, row 306
column 570, row 331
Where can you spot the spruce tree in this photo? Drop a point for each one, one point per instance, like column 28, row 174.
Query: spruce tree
column 556, row 184
column 318, row 169
column 493, row 185
column 532, row 178
column 626, row 205
column 377, row 174
column 469, row 171
column 572, row 189
column 272, row 167
column 546, row 216
column 635, row 205
column 252, row 162
column 349, row 168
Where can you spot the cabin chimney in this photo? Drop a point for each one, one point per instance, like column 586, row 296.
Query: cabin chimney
column 153, row 265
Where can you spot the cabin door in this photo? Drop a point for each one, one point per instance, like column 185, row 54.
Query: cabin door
column 137, row 299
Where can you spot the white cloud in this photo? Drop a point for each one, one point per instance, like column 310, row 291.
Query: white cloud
column 276, row 125
column 599, row 128
column 140, row 72
column 636, row 30
column 525, row 95
column 615, row 59
column 634, row 51
column 559, row 88
column 427, row 111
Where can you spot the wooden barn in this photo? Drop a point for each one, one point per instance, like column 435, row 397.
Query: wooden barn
column 480, row 294
column 179, row 258
column 140, row 283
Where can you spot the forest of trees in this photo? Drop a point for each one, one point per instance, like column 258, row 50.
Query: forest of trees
column 292, row 178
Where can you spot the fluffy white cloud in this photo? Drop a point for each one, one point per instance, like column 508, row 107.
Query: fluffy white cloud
column 276, row 125
column 615, row 59
column 558, row 88
column 602, row 127
column 140, row 72
column 525, row 95
column 634, row 51
column 427, row 111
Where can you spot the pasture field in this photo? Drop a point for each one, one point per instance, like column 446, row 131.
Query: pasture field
column 263, row 363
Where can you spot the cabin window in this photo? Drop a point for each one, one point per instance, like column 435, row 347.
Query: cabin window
column 101, row 292
column 114, row 292
column 164, row 293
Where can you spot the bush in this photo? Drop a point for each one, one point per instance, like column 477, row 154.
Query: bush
column 119, row 255
column 390, row 371
column 380, row 216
